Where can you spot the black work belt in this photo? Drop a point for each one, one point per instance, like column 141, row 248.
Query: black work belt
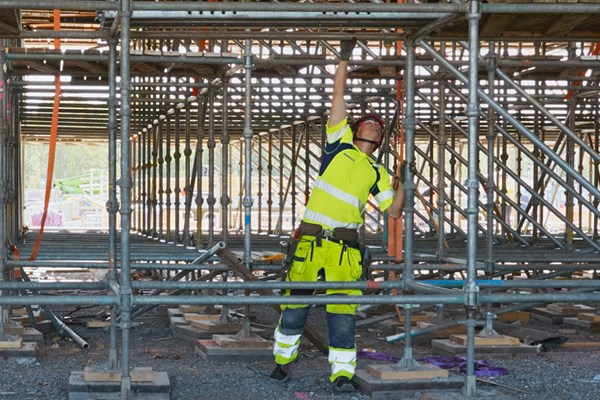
column 346, row 236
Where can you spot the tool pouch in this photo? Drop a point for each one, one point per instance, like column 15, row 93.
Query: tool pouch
column 365, row 254
column 289, row 250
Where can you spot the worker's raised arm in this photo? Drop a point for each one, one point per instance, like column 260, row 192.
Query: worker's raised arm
column 395, row 209
column 338, row 103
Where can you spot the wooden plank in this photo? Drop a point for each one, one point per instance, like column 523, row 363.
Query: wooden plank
column 12, row 344
column 589, row 317
column 496, row 340
column 235, row 341
column 215, row 326
column 414, row 320
column 201, row 317
column 457, row 329
column 390, row 372
column 19, row 311
column 25, row 319
column 570, row 310
column 98, row 324
column 140, row 374
column 521, row 316
column 14, row 330
column 193, row 309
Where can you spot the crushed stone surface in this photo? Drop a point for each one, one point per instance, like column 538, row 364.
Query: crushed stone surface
column 552, row 375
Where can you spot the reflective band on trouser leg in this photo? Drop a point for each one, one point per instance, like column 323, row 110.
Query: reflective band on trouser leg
column 343, row 362
column 286, row 347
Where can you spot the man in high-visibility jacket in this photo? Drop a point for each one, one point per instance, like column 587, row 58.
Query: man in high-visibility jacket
column 327, row 243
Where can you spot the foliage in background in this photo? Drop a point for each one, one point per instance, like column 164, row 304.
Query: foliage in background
column 72, row 160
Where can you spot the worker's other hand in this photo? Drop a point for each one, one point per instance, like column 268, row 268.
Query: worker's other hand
column 346, row 48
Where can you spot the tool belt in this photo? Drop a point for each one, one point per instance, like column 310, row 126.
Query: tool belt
column 346, row 236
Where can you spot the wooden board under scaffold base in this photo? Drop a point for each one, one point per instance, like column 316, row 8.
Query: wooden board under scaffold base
column 494, row 340
column 392, row 372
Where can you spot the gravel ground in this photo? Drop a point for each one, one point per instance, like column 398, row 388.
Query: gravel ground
column 552, row 375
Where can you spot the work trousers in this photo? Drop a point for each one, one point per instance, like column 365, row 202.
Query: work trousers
column 336, row 262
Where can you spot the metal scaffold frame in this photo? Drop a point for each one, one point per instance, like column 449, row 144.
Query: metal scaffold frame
column 221, row 130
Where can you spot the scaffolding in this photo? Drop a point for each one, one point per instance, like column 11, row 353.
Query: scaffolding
column 220, row 107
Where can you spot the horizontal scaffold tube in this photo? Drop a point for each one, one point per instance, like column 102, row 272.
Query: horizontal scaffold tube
column 215, row 8
column 369, row 299
column 53, row 285
column 185, row 59
column 333, row 299
column 523, row 283
column 366, row 285
column 65, row 300
column 281, row 8
column 195, row 285
column 497, row 268
column 419, row 286
column 174, row 267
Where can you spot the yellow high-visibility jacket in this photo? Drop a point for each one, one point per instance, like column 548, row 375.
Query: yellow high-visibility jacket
column 346, row 178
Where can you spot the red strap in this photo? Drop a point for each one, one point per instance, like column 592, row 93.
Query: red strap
column 52, row 150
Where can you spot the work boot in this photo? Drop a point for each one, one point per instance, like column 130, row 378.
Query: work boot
column 343, row 384
column 280, row 373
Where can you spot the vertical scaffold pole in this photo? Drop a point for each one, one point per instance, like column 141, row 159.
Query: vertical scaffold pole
column 270, row 181
column 177, row 163
column 490, row 188
column 247, row 202
column 202, row 105
column 407, row 360
column 3, row 187
column 471, row 289
column 168, row 167
column 125, row 184
column 210, row 144
column 112, row 205
column 161, row 186
column 188, row 189
column 225, row 200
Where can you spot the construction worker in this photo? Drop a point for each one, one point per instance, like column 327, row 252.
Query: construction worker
column 327, row 238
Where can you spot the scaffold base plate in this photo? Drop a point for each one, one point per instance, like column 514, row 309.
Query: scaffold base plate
column 158, row 389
